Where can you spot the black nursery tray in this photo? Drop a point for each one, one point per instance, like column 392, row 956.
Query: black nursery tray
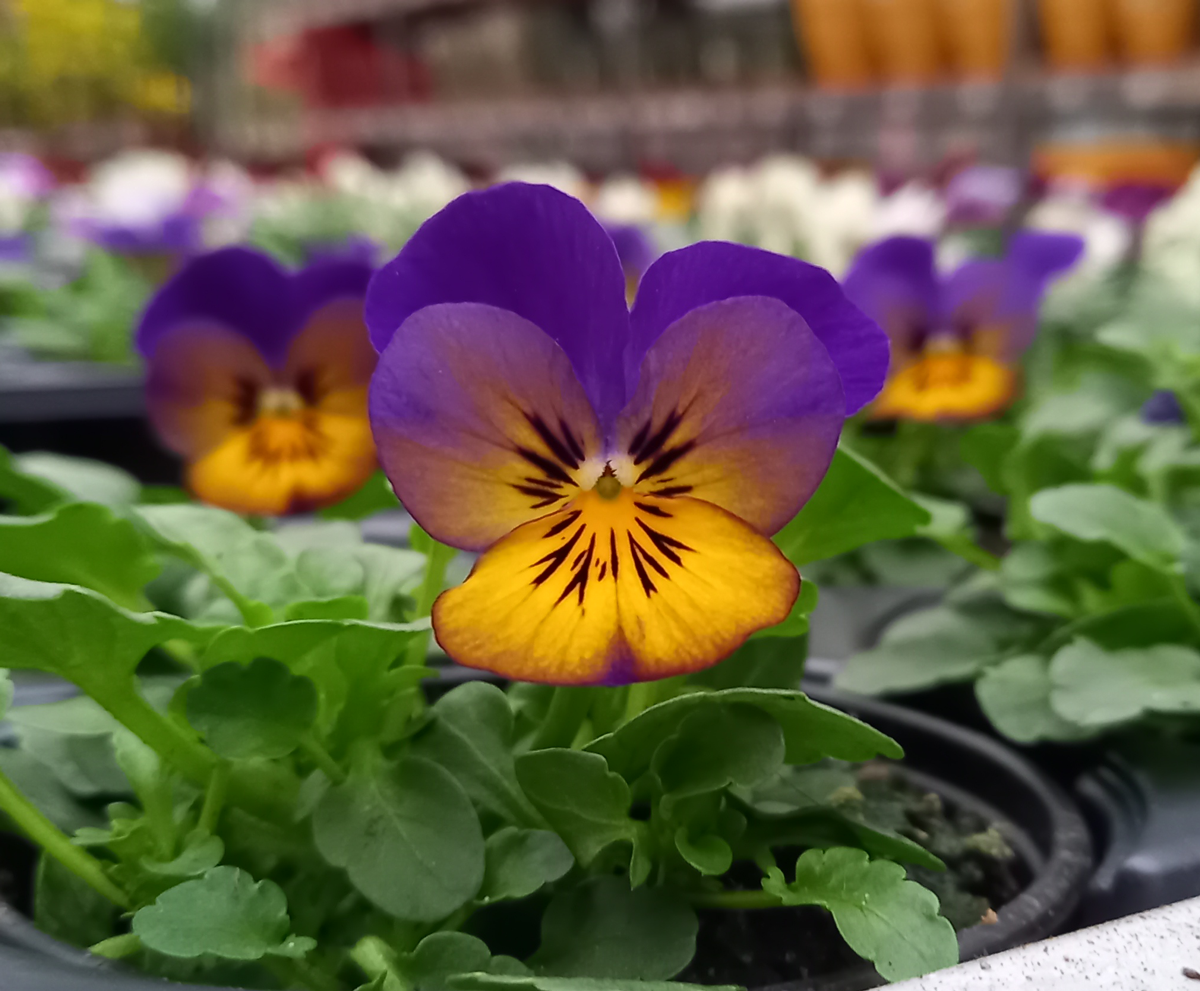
column 49, row 390
column 968, row 770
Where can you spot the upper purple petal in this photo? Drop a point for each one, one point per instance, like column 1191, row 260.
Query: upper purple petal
column 894, row 282
column 634, row 247
column 712, row 271
column 531, row 250
column 248, row 292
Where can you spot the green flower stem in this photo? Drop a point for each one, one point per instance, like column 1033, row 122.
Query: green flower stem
column 303, row 974
column 253, row 613
column 376, row 958
column 734, row 899
column 214, row 798
column 1189, row 605
column 568, row 708
column 642, row 695
column 970, row 552
column 56, row 843
column 321, row 757
column 432, row 584
column 117, row 947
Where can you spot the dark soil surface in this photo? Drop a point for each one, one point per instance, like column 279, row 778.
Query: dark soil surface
column 760, row 948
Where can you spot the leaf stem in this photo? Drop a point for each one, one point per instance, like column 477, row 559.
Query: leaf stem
column 302, row 972
column 734, row 899
column 966, row 548
column 376, row 958
column 434, row 580
column 322, row 758
column 56, row 843
column 116, row 947
column 568, row 708
column 1189, row 605
column 251, row 611
column 642, row 695
column 214, row 798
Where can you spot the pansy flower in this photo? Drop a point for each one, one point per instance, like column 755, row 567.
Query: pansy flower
column 621, row 471
column 955, row 340
column 258, row 378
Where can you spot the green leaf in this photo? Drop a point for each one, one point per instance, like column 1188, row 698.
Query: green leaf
column 585, row 802
column 934, row 646
column 1015, row 696
column 986, row 447
column 709, row 854
column 471, row 736
column 79, row 544
column 1141, row 529
column 891, row 921
column 811, row 731
column 717, row 746
column 441, row 955
column 260, row 710
column 1094, row 687
column 6, row 692
column 520, row 861
column 225, row 913
column 69, row 909
column 200, row 855
column 796, row 624
column 37, row 782
column 497, row 982
column 407, row 835
column 78, row 634
column 376, row 496
column 856, row 504
column 602, row 929
column 39, row 480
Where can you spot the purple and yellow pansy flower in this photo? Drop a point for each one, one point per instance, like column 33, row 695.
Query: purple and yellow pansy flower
column 621, row 470
column 258, row 378
column 955, row 340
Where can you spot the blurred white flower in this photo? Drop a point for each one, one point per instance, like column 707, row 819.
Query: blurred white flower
column 24, row 183
column 1071, row 208
column 915, row 209
column 561, row 175
column 843, row 220
column 724, row 205
column 138, row 188
column 626, row 199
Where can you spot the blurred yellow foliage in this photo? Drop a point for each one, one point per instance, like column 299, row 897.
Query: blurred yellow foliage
column 71, row 60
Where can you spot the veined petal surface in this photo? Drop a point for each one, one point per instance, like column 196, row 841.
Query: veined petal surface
column 480, row 422
column 610, row 591
column 739, row 404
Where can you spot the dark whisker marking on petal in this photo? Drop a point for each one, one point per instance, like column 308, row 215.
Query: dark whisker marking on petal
column 642, row 557
column 308, row 386
column 645, row 507
column 612, row 547
column 549, row 483
column 603, row 570
column 571, row 440
column 551, row 468
column 672, row 490
column 555, row 559
column 245, row 401
column 667, row 546
column 544, row 497
column 557, row 447
column 639, row 439
column 666, row 459
column 562, row 524
column 653, row 445
column 580, row 578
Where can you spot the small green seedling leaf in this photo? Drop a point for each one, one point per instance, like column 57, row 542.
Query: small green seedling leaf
column 407, row 835
column 709, row 854
column 225, row 913
column 1093, row 687
column 441, row 955
column 1015, row 696
column 602, row 929
column 198, row 857
column 260, row 710
column 80, row 544
column 856, row 504
column 471, row 735
column 585, row 802
column 520, row 861
column 1141, row 529
column 889, row 920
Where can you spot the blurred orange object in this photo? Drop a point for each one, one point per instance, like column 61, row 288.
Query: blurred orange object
column 1117, row 160
column 833, row 36
column 905, row 38
column 979, row 36
column 1154, row 32
column 1076, row 34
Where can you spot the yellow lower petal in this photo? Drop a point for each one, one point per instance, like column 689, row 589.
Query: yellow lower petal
column 286, row 464
column 947, row 387
column 609, row 591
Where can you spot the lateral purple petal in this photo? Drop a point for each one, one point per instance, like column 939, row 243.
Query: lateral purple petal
column 531, row 250
column 327, row 280
column 894, row 282
column 236, row 288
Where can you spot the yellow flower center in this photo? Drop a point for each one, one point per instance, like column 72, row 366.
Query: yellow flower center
column 279, row 401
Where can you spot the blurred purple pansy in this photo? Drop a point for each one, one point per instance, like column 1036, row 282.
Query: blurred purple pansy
column 636, row 252
column 955, row 340
column 983, row 195
column 1163, row 408
column 620, row 469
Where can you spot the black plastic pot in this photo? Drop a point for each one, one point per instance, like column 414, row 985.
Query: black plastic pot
column 849, row 619
column 967, row 769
